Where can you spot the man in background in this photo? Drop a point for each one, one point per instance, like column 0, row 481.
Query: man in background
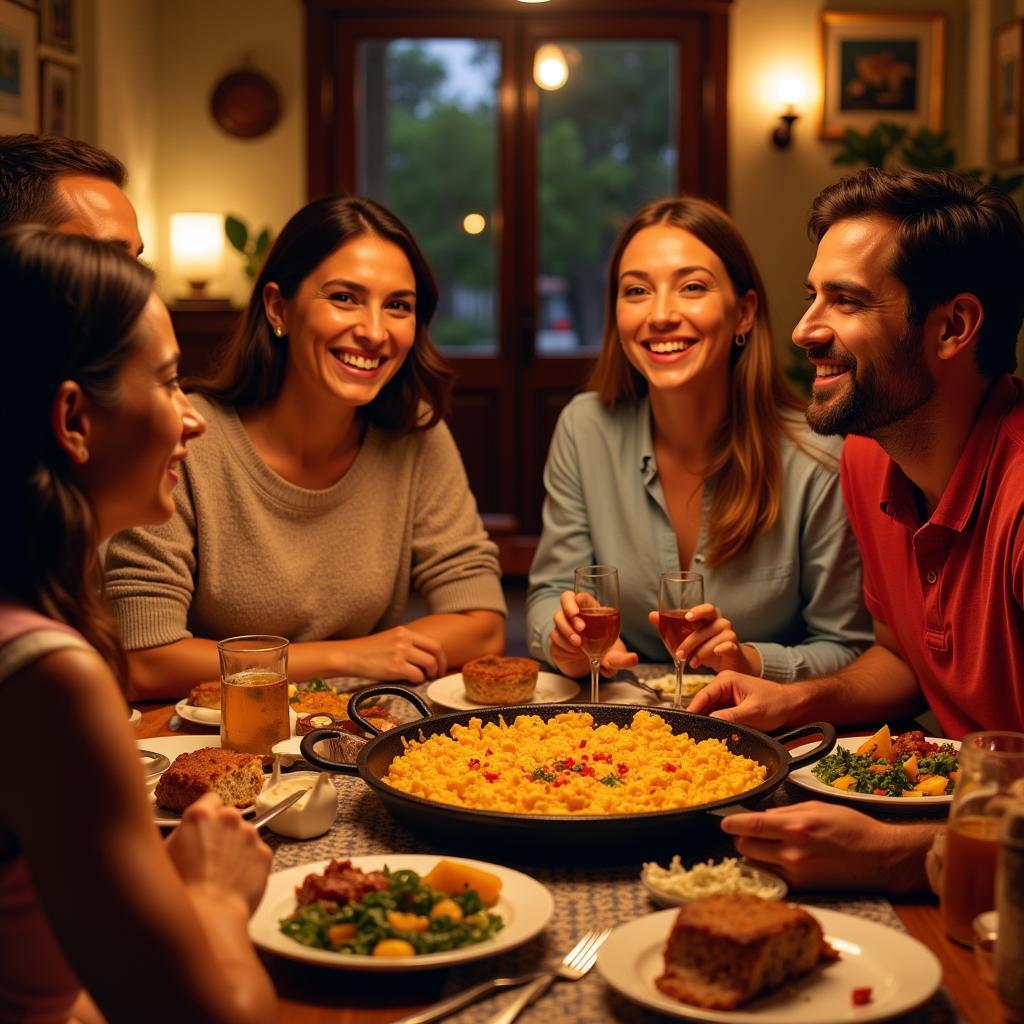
column 68, row 185
column 915, row 302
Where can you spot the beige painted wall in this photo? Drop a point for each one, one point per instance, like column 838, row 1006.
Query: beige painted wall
column 770, row 189
column 200, row 167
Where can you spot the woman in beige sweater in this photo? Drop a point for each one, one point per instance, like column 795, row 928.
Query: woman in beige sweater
column 327, row 485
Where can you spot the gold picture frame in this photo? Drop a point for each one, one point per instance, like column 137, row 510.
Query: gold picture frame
column 1008, row 94
column 881, row 66
column 19, row 69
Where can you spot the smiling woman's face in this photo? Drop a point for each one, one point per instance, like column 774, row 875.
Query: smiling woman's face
column 352, row 321
column 676, row 309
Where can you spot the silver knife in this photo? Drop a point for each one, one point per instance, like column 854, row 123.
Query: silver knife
column 281, row 805
column 625, row 676
column 448, row 1006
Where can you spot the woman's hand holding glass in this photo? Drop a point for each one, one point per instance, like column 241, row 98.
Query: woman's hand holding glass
column 567, row 654
column 714, row 643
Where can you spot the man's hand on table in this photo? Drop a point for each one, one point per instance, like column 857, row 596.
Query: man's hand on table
column 746, row 700
column 815, row 845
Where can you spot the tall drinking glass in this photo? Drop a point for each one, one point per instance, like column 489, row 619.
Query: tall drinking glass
column 991, row 778
column 253, row 693
column 677, row 594
column 596, row 589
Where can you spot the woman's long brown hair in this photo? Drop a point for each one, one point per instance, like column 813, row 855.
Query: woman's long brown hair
column 71, row 311
column 746, row 457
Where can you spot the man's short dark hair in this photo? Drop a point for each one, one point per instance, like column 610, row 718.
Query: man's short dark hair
column 30, row 166
column 953, row 234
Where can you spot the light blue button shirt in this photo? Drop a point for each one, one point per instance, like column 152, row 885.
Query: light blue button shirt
column 795, row 593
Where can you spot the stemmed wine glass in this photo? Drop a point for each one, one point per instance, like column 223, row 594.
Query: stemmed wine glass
column 596, row 588
column 677, row 594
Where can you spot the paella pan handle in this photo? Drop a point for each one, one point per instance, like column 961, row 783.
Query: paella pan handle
column 362, row 696
column 828, row 741
column 307, row 748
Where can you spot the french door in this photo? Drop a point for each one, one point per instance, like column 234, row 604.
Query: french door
column 516, row 190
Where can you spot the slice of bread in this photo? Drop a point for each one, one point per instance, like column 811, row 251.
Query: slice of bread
column 727, row 949
column 236, row 778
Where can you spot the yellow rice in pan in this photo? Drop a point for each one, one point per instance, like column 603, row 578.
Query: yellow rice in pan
column 566, row 765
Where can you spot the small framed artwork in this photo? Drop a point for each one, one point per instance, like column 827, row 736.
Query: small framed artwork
column 58, row 107
column 58, row 24
column 19, row 76
column 1008, row 94
column 881, row 67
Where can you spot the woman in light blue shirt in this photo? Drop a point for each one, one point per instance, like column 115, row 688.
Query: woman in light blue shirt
column 690, row 452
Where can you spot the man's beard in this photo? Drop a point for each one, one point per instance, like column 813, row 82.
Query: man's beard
column 877, row 396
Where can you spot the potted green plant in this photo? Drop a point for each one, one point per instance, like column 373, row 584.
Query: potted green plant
column 252, row 248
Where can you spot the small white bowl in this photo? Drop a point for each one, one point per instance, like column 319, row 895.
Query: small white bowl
column 312, row 815
column 778, row 887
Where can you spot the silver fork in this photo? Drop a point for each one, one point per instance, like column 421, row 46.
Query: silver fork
column 574, row 965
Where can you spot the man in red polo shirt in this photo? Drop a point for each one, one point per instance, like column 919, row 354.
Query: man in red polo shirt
column 915, row 301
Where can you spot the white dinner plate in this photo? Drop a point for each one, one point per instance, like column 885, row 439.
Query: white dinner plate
column 621, row 692
column 450, row 691
column 806, row 778
column 171, row 747
column 663, row 898
column 524, row 904
column 211, row 716
column 900, row 972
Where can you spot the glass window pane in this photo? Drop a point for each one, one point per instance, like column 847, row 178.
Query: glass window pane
column 607, row 145
column 428, row 152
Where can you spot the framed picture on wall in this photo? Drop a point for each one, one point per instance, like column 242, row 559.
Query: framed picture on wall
column 19, row 76
column 57, row 105
column 58, row 24
column 1008, row 94
column 881, row 67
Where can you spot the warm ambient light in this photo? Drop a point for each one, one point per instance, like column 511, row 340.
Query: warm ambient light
column 197, row 248
column 789, row 94
column 550, row 68
column 473, row 223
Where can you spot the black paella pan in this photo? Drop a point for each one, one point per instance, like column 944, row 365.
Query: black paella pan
column 464, row 824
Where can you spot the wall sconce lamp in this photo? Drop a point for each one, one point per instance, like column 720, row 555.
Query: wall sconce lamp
column 197, row 249
column 550, row 67
column 790, row 92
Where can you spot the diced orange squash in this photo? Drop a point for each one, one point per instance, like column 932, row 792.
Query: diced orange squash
column 910, row 767
column 954, row 776
column 932, row 785
column 447, row 908
column 878, row 746
column 844, row 782
column 912, row 792
column 452, row 877
column 339, row 934
column 393, row 947
column 880, row 769
column 407, row 922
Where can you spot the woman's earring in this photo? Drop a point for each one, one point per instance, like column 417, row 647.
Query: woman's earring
column 740, row 340
column 278, row 331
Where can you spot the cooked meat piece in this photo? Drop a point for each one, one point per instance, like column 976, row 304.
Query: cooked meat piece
column 912, row 742
column 236, row 778
column 724, row 950
column 341, row 883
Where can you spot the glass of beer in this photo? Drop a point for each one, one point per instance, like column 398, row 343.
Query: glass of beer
column 253, row 693
column 596, row 588
column 678, row 592
column 991, row 779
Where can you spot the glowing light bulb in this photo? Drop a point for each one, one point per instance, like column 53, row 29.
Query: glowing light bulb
column 550, row 68
column 473, row 223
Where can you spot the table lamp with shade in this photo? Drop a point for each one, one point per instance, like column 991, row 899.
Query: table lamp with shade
column 197, row 254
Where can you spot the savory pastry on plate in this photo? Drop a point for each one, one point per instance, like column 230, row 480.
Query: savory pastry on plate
column 499, row 680
column 236, row 778
column 206, row 695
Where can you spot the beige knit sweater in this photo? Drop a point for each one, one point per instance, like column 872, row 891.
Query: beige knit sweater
column 248, row 552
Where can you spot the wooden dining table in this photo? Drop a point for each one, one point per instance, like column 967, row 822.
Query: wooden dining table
column 312, row 995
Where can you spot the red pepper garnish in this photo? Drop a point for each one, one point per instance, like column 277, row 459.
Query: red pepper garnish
column 622, row 768
column 492, row 776
column 488, row 752
column 583, row 743
column 669, row 767
column 602, row 756
column 861, row 996
column 562, row 780
column 588, row 770
column 879, row 792
column 474, row 763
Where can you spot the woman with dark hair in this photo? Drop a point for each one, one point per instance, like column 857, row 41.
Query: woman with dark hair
column 689, row 452
column 94, row 436
column 327, row 484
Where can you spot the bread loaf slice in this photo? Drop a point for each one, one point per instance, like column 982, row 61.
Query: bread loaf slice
column 236, row 778
column 724, row 950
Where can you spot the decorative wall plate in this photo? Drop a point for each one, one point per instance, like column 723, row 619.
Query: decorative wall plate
column 245, row 103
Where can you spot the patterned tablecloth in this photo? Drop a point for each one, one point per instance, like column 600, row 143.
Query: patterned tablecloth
column 585, row 897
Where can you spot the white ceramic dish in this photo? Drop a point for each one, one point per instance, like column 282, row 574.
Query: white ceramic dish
column 806, row 779
column 134, row 716
column 900, row 971
column 525, row 905
column 621, row 692
column 211, row 716
column 669, row 899
column 450, row 691
column 172, row 746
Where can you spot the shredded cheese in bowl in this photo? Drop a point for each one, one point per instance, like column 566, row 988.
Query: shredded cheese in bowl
column 675, row 884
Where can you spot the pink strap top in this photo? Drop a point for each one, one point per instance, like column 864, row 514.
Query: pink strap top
column 36, row 984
